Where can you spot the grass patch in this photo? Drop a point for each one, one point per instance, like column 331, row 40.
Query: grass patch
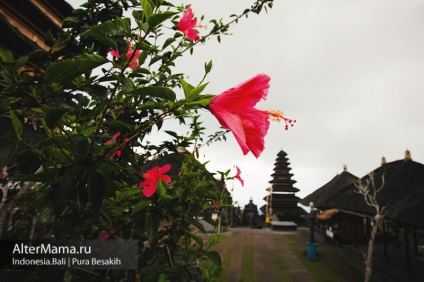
column 226, row 263
column 319, row 271
column 280, row 267
column 248, row 265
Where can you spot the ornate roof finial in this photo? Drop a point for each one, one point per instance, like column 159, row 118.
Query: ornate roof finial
column 383, row 160
column 344, row 167
column 408, row 155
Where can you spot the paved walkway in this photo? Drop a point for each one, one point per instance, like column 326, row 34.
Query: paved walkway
column 268, row 246
column 264, row 243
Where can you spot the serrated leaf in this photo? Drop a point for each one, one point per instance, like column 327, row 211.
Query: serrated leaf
column 196, row 238
column 214, row 257
column 44, row 176
column 141, row 205
column 67, row 69
column 161, row 189
column 53, row 115
column 187, row 88
column 199, row 225
column 195, row 92
column 80, row 148
column 156, row 19
column 203, row 102
column 116, row 27
column 168, row 42
column 155, row 91
column 6, row 56
column 70, row 181
column 151, row 226
column 17, row 124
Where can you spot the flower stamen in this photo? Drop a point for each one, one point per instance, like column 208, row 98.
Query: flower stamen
column 278, row 116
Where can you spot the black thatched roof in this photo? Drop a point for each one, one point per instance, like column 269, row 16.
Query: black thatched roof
column 321, row 195
column 402, row 194
column 37, row 17
column 410, row 210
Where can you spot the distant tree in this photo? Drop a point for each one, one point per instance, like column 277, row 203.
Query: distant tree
column 370, row 191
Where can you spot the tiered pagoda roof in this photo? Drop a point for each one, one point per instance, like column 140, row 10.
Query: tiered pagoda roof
column 282, row 200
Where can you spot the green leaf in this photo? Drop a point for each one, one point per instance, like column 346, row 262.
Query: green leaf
column 20, row 62
column 196, row 238
column 151, row 226
column 208, row 67
column 67, row 69
column 140, row 206
column 199, row 225
column 195, row 92
column 6, row 153
column 97, row 188
column 186, row 87
column 161, row 190
column 71, row 19
column 6, row 56
column 80, row 148
column 116, row 27
column 168, row 42
column 44, row 176
column 71, row 180
column 204, row 101
column 53, row 116
column 155, row 91
column 214, row 257
column 157, row 19
column 215, row 239
column 17, row 124
column 87, row 132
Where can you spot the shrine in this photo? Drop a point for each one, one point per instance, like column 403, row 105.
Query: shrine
column 282, row 203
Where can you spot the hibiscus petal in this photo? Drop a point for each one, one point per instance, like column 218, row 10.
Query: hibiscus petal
column 238, row 176
column 234, row 124
column 164, row 169
column 254, row 141
column 234, row 111
column 149, row 189
column 166, row 178
column 244, row 95
column 192, row 34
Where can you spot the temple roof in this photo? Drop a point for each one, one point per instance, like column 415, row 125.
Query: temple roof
column 24, row 23
column 402, row 193
column 325, row 192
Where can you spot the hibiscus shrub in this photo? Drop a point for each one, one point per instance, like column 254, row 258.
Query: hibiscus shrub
column 77, row 132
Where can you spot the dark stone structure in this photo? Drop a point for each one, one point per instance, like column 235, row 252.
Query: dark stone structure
column 250, row 214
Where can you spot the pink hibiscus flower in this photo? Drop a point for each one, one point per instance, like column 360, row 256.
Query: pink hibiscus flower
column 112, row 141
column 131, row 55
column 235, row 111
column 105, row 235
column 187, row 25
column 238, row 176
column 152, row 176
column 115, row 54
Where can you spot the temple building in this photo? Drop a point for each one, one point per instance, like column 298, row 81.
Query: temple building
column 250, row 214
column 282, row 203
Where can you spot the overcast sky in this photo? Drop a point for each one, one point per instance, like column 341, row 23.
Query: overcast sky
column 350, row 72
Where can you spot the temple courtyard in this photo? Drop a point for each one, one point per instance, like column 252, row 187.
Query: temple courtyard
column 265, row 255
